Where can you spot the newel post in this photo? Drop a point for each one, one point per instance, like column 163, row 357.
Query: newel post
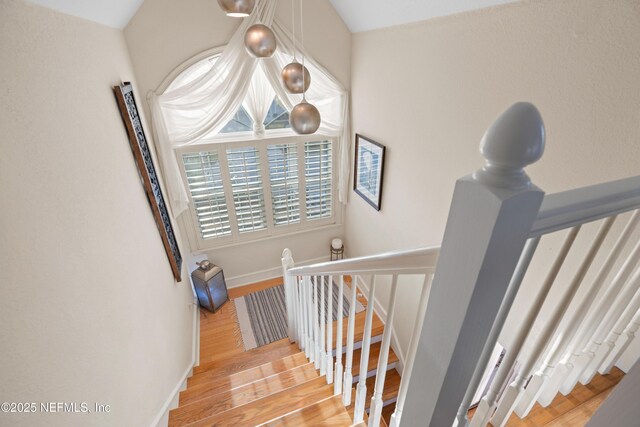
column 290, row 293
column 490, row 218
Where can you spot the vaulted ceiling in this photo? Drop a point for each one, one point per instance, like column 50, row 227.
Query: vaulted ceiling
column 358, row 15
column 364, row 15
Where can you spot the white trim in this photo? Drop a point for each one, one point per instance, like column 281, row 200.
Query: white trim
column 261, row 275
column 382, row 314
column 172, row 400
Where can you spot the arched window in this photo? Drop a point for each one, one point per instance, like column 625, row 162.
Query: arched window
column 243, row 186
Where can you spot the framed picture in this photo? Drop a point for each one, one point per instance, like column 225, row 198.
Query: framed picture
column 142, row 154
column 369, row 170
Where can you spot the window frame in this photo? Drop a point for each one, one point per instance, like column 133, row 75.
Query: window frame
column 198, row 244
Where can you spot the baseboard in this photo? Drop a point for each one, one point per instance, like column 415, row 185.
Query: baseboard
column 270, row 273
column 382, row 314
column 162, row 419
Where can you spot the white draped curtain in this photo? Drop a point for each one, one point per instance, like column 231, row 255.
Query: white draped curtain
column 194, row 108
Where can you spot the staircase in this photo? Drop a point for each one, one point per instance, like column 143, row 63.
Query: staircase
column 276, row 385
column 496, row 221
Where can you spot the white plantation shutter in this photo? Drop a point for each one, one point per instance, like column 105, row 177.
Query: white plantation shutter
column 318, row 179
column 246, row 188
column 284, row 181
column 207, row 192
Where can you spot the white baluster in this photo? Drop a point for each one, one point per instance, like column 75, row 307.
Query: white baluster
column 511, row 394
column 322, row 341
column 597, row 352
column 579, row 359
column 537, row 383
column 375, row 412
column 301, row 313
column 361, row 390
column 287, row 263
column 311, row 346
column 580, row 319
column 411, row 354
column 348, row 375
column 337, row 385
column 329, row 356
column 316, row 326
column 516, row 280
column 628, row 335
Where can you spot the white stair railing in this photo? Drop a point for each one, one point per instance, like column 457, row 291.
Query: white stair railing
column 482, row 262
column 305, row 280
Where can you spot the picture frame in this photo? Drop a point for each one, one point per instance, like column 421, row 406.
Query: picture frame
column 142, row 154
column 369, row 170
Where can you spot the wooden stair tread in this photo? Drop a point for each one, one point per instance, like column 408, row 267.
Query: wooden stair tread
column 374, row 354
column 328, row 412
column 271, row 407
column 377, row 327
column 245, row 360
column 391, row 387
column 220, row 402
column 202, row 386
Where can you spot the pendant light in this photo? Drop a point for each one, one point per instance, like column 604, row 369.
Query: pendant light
column 292, row 77
column 237, row 8
column 260, row 41
column 304, row 117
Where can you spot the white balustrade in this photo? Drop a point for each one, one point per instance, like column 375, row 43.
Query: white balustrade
column 411, row 354
column 481, row 265
column 337, row 385
column 323, row 353
column 560, row 373
column 347, row 381
column 361, row 389
column 329, row 355
column 538, row 381
column 488, row 402
column 628, row 335
column 578, row 360
column 375, row 412
column 487, row 351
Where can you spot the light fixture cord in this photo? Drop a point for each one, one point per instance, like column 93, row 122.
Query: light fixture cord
column 304, row 97
column 293, row 25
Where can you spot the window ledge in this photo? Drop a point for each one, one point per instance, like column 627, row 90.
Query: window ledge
column 267, row 238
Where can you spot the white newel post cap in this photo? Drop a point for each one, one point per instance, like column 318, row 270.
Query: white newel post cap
column 516, row 139
column 336, row 243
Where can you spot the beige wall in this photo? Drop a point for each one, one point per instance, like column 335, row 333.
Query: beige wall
column 89, row 310
column 165, row 33
column 429, row 90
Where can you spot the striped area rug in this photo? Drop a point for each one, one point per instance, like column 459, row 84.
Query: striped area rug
column 262, row 315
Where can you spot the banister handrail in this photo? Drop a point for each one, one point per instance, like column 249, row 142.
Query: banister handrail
column 413, row 261
column 567, row 209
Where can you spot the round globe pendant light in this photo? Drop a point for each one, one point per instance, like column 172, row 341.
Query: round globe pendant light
column 304, row 118
column 260, row 41
column 237, row 8
column 293, row 79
